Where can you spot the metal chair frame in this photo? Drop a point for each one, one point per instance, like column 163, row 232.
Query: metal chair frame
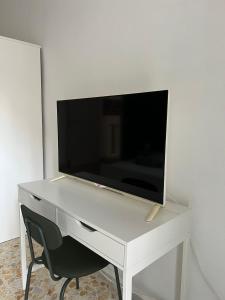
column 39, row 261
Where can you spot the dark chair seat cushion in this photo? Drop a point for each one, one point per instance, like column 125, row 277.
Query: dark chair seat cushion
column 73, row 259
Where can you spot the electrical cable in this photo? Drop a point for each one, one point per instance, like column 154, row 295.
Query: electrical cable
column 195, row 256
column 210, row 286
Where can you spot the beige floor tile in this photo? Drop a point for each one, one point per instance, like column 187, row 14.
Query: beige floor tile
column 93, row 287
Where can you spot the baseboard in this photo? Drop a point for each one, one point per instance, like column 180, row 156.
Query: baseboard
column 109, row 274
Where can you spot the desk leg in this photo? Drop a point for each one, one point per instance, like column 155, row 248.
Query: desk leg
column 23, row 251
column 127, row 286
column 183, row 286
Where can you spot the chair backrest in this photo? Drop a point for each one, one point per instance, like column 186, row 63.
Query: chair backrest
column 35, row 222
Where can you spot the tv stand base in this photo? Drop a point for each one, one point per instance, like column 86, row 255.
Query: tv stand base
column 57, row 178
column 152, row 213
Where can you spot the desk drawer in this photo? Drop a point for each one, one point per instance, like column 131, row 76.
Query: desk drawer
column 95, row 240
column 37, row 205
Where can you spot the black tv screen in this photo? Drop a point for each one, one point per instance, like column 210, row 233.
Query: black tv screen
column 116, row 141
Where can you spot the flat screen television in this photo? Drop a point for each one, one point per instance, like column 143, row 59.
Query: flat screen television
column 118, row 142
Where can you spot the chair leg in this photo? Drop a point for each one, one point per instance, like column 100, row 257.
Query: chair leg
column 77, row 283
column 28, row 280
column 63, row 289
column 118, row 283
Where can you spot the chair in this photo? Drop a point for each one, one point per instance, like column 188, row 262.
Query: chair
column 64, row 257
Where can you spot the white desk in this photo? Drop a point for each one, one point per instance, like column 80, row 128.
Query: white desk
column 121, row 234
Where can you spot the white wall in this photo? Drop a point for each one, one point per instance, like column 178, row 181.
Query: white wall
column 104, row 47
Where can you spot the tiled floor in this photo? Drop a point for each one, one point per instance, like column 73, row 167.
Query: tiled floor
column 94, row 287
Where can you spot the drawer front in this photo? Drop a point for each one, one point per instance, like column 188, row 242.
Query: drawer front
column 39, row 206
column 107, row 247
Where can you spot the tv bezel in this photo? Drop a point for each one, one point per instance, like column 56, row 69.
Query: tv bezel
column 111, row 189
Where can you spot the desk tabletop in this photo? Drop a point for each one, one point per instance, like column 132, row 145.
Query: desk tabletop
column 119, row 216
